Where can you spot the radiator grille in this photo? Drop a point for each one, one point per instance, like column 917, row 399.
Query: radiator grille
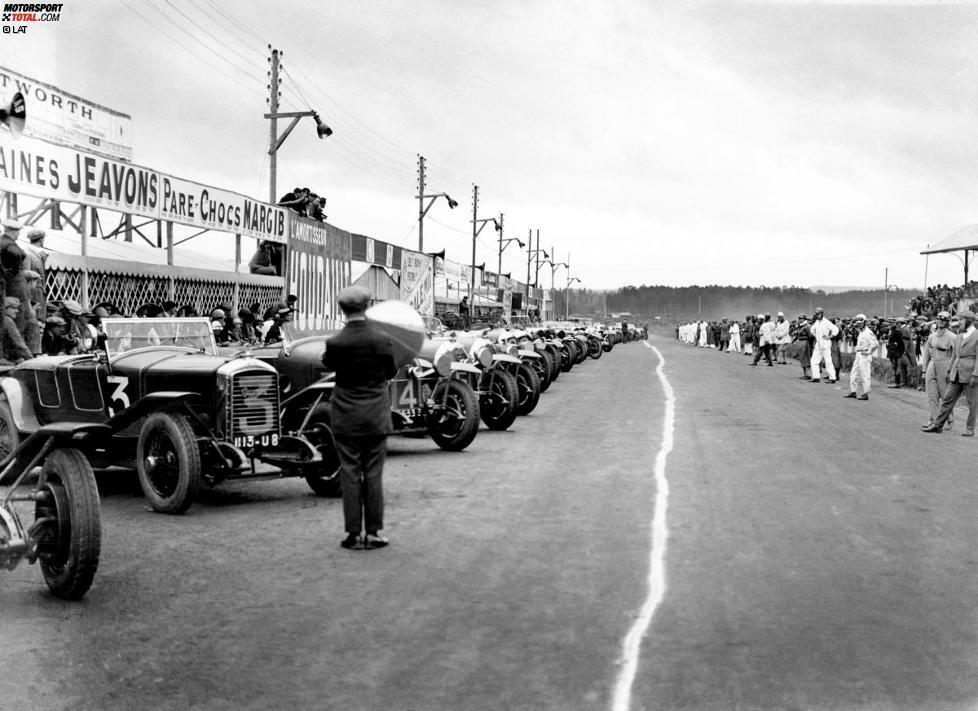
column 253, row 405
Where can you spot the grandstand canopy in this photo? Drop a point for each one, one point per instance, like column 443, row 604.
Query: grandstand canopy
column 963, row 239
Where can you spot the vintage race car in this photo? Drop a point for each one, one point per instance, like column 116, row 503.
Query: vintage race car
column 178, row 412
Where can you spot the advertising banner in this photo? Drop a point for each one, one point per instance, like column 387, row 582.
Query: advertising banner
column 68, row 120
column 373, row 251
column 45, row 170
column 318, row 269
column 210, row 208
column 418, row 282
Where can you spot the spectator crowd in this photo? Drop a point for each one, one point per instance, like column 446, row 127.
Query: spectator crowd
column 934, row 353
column 33, row 325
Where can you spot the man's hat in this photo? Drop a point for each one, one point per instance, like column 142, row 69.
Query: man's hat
column 819, row 310
column 283, row 309
column 35, row 235
column 11, row 224
column 803, row 317
column 11, row 301
column 218, row 313
column 943, row 316
column 354, row 299
column 901, row 319
column 55, row 321
column 969, row 314
column 860, row 317
column 31, row 274
column 760, row 315
column 72, row 307
column 780, row 313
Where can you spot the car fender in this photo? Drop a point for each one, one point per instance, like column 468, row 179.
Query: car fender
column 528, row 354
column 466, row 367
column 505, row 358
column 318, row 390
column 21, row 405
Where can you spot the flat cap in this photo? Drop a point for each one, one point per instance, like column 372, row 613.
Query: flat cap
column 860, row 317
column 354, row 298
column 31, row 274
column 944, row 316
column 11, row 224
column 803, row 316
column 780, row 313
column 72, row 307
column 11, row 301
column 35, row 234
column 819, row 310
column 55, row 321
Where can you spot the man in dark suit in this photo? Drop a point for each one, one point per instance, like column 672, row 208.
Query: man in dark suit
column 360, row 413
column 962, row 377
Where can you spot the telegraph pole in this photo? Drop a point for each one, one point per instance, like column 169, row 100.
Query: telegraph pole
column 421, row 211
column 499, row 268
column 475, row 233
column 273, row 127
column 529, row 257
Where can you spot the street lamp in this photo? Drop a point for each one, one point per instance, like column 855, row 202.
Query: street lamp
column 504, row 243
column 422, row 209
column 570, row 280
column 554, row 266
column 274, row 140
column 477, row 225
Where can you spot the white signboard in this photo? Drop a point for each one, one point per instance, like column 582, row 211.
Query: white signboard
column 418, row 282
column 68, row 120
column 46, row 170
column 210, row 208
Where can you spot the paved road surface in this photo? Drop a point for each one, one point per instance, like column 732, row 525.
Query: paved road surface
column 819, row 557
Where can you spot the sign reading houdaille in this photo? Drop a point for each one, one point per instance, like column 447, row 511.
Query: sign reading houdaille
column 68, row 120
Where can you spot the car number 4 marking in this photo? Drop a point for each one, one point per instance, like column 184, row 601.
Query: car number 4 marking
column 119, row 394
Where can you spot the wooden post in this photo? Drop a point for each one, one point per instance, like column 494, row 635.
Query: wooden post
column 171, row 286
column 84, row 252
column 236, row 301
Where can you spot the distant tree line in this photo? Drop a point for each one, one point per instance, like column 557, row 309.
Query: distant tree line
column 714, row 302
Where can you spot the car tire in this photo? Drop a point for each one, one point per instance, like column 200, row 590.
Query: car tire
column 325, row 482
column 568, row 356
column 594, row 350
column 498, row 406
column 542, row 367
column 70, row 540
column 527, row 388
column 168, row 462
column 9, row 436
column 456, row 429
column 553, row 355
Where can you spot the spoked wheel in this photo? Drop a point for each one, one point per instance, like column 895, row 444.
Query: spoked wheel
column 581, row 354
column 568, row 355
column 67, row 527
column 454, row 427
column 498, row 405
column 326, row 481
column 553, row 355
column 9, row 437
column 527, row 388
column 541, row 366
column 594, row 348
column 168, row 462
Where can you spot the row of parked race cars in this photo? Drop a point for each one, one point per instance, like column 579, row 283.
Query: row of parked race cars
column 163, row 399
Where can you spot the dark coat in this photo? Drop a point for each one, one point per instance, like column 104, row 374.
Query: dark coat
column 363, row 360
column 895, row 347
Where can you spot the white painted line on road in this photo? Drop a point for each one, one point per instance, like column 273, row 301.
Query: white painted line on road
column 632, row 645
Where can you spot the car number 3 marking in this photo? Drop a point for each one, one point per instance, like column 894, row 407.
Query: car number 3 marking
column 119, row 394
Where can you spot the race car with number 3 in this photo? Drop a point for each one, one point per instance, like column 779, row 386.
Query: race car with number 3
column 178, row 412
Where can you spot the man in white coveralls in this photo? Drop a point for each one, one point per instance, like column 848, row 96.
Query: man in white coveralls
column 822, row 330
column 861, row 376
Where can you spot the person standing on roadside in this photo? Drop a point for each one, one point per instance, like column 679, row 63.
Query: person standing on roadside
column 803, row 335
column 360, row 413
column 861, row 375
column 895, row 350
column 464, row 313
column 935, row 363
column 962, row 378
column 823, row 331
column 734, row 345
column 782, row 339
column 763, row 339
column 749, row 334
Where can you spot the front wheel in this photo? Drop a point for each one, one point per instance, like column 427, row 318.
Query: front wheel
column 498, row 405
column 326, row 480
column 69, row 531
column 455, row 426
column 168, row 462
column 594, row 348
column 527, row 388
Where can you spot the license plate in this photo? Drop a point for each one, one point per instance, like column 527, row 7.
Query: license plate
column 412, row 412
column 267, row 440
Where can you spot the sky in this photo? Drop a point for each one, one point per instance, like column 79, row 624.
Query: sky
column 760, row 143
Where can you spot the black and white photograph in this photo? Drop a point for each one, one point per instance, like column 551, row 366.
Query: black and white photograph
column 414, row 356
